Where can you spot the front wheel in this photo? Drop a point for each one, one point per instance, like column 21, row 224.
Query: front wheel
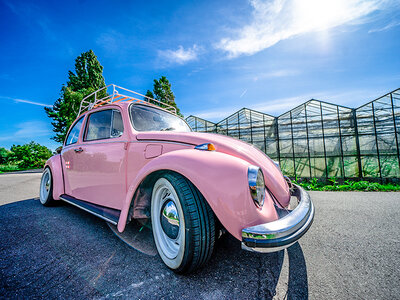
column 46, row 188
column 183, row 223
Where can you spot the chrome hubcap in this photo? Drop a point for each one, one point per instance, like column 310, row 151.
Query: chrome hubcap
column 45, row 186
column 169, row 219
column 168, row 223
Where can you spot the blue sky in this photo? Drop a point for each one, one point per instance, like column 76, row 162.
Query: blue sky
column 219, row 55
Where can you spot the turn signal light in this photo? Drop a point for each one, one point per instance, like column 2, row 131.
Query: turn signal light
column 205, row 147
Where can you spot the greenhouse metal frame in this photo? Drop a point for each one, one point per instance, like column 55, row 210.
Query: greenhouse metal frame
column 321, row 139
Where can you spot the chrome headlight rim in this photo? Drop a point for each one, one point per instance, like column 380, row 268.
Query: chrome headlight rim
column 256, row 181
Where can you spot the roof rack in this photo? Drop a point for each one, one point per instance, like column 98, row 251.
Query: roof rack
column 113, row 94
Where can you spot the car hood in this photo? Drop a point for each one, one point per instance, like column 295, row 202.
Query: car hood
column 273, row 176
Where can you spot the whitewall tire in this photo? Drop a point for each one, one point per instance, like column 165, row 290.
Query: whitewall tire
column 46, row 188
column 183, row 223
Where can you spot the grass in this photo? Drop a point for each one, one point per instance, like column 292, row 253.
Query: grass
column 348, row 185
column 10, row 168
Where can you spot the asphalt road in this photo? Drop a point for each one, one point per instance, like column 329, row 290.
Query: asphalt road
column 352, row 251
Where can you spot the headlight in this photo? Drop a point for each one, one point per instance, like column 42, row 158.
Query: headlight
column 256, row 185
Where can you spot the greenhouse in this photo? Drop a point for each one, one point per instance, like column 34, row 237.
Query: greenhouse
column 320, row 139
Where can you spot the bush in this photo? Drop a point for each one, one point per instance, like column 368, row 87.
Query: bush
column 32, row 155
column 4, row 153
column 348, row 185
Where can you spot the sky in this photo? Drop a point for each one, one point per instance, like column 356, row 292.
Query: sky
column 219, row 56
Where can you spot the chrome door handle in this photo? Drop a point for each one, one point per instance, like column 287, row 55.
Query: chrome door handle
column 78, row 150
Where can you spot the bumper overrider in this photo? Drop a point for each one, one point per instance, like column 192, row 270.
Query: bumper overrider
column 285, row 231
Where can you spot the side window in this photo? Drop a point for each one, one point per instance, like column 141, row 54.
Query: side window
column 73, row 135
column 104, row 124
column 117, row 125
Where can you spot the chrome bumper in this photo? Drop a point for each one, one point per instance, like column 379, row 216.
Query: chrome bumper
column 284, row 232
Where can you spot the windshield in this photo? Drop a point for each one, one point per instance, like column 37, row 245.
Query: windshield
column 146, row 118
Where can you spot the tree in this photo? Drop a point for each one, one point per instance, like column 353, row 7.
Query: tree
column 88, row 77
column 4, row 154
column 149, row 94
column 163, row 93
column 32, row 155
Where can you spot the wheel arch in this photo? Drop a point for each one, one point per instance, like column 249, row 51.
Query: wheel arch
column 219, row 177
column 54, row 164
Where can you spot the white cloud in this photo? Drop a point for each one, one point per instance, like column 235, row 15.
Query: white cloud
column 32, row 102
column 215, row 115
column 387, row 27
column 27, row 131
column 277, row 20
column 275, row 107
column 113, row 42
column 181, row 55
column 26, row 101
column 276, row 74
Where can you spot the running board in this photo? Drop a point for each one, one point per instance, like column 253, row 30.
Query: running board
column 108, row 214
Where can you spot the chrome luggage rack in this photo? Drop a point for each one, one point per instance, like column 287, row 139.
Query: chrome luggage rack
column 113, row 94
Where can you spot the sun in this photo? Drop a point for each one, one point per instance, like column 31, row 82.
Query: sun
column 311, row 15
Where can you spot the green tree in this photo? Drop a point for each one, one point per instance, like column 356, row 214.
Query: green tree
column 4, row 154
column 149, row 94
column 88, row 77
column 163, row 93
column 32, row 155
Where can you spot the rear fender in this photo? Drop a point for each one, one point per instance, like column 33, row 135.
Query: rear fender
column 222, row 180
column 54, row 163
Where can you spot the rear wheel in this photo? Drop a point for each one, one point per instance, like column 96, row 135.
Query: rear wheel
column 46, row 188
column 183, row 223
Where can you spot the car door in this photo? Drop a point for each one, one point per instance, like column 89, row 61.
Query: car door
column 69, row 152
column 97, row 171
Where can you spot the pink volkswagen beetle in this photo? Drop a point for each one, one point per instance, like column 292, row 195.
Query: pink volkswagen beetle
column 126, row 158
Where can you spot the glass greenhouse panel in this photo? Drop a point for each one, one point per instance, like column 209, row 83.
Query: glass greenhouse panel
column 329, row 139
column 287, row 167
column 333, row 146
column 349, row 145
column 318, row 167
column 271, row 148
column 302, row 167
column 285, row 147
column 351, row 167
column 300, row 148
column 367, row 144
column 334, row 167
column 389, row 166
column 317, row 147
column 370, row 166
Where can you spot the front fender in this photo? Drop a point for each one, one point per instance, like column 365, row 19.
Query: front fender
column 54, row 163
column 222, row 180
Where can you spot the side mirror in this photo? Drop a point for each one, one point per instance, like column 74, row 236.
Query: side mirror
column 58, row 150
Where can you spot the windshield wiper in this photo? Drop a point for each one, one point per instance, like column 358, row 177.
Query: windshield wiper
column 168, row 129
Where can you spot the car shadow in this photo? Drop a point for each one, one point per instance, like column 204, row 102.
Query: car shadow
column 84, row 258
column 281, row 274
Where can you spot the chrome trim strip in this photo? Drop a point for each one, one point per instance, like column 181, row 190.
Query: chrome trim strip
column 88, row 143
column 161, row 141
column 89, row 211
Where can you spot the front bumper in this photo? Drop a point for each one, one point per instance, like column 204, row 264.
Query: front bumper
column 285, row 231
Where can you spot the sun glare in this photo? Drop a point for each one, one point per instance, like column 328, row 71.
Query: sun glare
column 312, row 15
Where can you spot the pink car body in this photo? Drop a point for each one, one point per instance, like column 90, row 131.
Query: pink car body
column 109, row 173
column 112, row 178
